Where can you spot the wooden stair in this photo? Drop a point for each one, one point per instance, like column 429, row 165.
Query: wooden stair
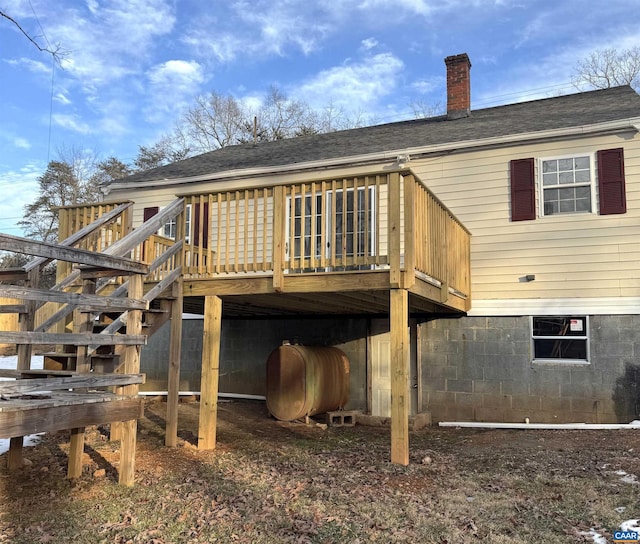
column 92, row 375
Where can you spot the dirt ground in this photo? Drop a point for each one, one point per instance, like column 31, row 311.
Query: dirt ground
column 270, row 482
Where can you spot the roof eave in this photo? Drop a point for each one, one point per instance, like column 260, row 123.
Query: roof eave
column 369, row 158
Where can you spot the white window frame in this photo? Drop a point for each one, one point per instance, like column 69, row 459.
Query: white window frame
column 591, row 183
column 372, row 216
column 327, row 225
column 585, row 337
column 290, row 251
column 171, row 225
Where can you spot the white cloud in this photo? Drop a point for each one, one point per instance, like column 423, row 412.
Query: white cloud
column 71, row 122
column 34, row 66
column 18, row 188
column 172, row 85
column 62, row 98
column 173, row 72
column 428, row 85
column 114, row 125
column 419, row 7
column 21, row 143
column 369, row 43
column 112, row 39
column 18, row 142
column 354, row 86
column 259, row 28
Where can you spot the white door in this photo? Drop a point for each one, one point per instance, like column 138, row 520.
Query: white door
column 381, row 369
column 380, row 372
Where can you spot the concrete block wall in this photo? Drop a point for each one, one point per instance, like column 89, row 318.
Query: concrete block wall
column 245, row 346
column 480, row 369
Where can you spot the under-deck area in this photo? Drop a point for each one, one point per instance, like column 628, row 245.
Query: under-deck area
column 376, row 245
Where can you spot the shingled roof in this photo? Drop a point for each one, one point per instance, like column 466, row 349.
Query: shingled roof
column 560, row 112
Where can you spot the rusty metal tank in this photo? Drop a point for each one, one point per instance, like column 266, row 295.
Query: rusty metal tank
column 306, row 380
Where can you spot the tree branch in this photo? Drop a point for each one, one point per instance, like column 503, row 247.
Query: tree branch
column 58, row 54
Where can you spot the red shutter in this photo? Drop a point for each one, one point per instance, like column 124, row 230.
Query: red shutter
column 205, row 225
column 611, row 186
column 148, row 213
column 523, row 190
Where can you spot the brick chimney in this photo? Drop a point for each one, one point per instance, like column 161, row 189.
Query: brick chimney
column 458, row 86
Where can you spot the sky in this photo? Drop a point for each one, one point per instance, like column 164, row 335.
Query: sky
column 132, row 66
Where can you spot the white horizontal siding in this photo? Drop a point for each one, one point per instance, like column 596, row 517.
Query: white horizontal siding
column 572, row 256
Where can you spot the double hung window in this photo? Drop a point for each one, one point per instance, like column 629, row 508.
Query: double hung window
column 567, row 184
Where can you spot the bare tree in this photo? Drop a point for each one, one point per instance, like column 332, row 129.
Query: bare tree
column 423, row 110
column 214, row 121
column 217, row 120
column 69, row 180
column 55, row 51
column 83, row 163
column 606, row 68
column 281, row 117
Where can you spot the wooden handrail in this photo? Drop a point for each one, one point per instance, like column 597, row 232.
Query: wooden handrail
column 118, row 292
column 91, row 302
column 82, row 233
column 149, row 227
column 69, row 254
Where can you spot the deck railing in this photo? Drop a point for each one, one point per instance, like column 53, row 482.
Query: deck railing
column 73, row 218
column 355, row 223
column 367, row 222
column 441, row 243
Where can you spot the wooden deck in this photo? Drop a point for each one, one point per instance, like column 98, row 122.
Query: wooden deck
column 362, row 235
column 377, row 244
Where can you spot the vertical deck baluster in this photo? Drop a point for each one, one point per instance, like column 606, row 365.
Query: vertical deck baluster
column 323, row 224
column 292, row 213
column 254, row 246
column 312, row 244
column 366, row 250
column 218, row 230
column 303, row 221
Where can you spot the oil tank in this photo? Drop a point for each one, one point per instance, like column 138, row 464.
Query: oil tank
column 306, row 380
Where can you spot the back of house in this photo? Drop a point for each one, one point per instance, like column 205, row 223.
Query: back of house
column 549, row 191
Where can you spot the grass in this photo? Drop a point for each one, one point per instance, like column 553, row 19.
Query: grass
column 270, row 482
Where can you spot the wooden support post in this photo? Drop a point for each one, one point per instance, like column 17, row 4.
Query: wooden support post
column 399, row 316
column 279, row 214
column 210, row 370
column 394, row 230
column 82, row 323
column 76, row 449
column 26, row 322
column 131, row 366
column 173, row 385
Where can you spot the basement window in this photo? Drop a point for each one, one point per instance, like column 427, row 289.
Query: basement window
column 560, row 339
